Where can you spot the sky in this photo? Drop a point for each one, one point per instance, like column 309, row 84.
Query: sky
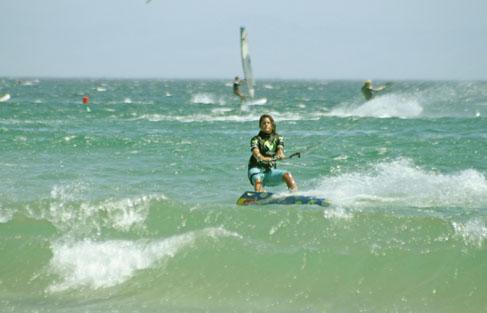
column 305, row 39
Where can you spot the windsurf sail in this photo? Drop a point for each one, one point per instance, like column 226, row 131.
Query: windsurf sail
column 246, row 63
column 263, row 198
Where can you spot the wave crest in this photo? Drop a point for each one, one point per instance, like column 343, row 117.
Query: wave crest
column 403, row 184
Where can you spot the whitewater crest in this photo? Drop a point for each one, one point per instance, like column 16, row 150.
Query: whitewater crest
column 68, row 210
column 102, row 264
column 401, row 183
column 386, row 106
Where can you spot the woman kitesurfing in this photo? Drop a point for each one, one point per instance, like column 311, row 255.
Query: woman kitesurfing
column 267, row 147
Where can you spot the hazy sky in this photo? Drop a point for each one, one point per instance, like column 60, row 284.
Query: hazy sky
column 340, row 39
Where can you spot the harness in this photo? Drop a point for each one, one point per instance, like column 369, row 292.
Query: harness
column 267, row 147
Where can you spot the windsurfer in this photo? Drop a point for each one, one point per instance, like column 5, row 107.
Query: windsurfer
column 236, row 88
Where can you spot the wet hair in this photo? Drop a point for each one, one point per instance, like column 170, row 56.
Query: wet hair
column 263, row 116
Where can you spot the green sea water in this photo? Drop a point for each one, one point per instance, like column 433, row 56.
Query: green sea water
column 130, row 206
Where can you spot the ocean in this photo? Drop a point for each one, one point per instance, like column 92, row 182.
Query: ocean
column 129, row 205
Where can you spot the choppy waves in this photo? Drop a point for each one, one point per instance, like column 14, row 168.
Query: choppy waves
column 131, row 207
column 109, row 263
column 401, row 183
column 148, row 248
column 383, row 107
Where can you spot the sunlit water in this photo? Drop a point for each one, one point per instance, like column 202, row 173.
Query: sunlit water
column 130, row 206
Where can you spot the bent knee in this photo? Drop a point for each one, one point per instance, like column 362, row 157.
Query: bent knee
column 287, row 175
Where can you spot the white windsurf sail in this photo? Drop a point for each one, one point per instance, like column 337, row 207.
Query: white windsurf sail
column 246, row 64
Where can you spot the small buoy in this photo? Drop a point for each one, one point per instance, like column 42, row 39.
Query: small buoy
column 86, row 99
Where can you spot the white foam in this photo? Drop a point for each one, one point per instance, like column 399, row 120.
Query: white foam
column 199, row 118
column 207, row 98
column 256, row 101
column 69, row 211
column 127, row 213
column 383, row 107
column 30, row 82
column 220, row 111
column 337, row 213
column 473, row 232
column 68, row 192
column 104, row 264
column 94, row 264
column 402, row 183
column 20, row 139
column 69, row 138
column 5, row 97
column 218, row 117
column 5, row 216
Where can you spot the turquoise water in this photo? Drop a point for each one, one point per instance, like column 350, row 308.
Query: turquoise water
column 131, row 207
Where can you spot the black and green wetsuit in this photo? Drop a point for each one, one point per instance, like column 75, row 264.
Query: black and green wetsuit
column 236, row 87
column 368, row 92
column 267, row 144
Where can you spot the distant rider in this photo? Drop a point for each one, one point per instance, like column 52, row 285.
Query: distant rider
column 266, row 147
column 368, row 91
column 236, row 88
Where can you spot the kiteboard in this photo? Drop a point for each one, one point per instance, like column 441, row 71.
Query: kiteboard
column 263, row 198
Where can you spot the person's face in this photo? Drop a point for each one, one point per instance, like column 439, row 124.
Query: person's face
column 266, row 125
